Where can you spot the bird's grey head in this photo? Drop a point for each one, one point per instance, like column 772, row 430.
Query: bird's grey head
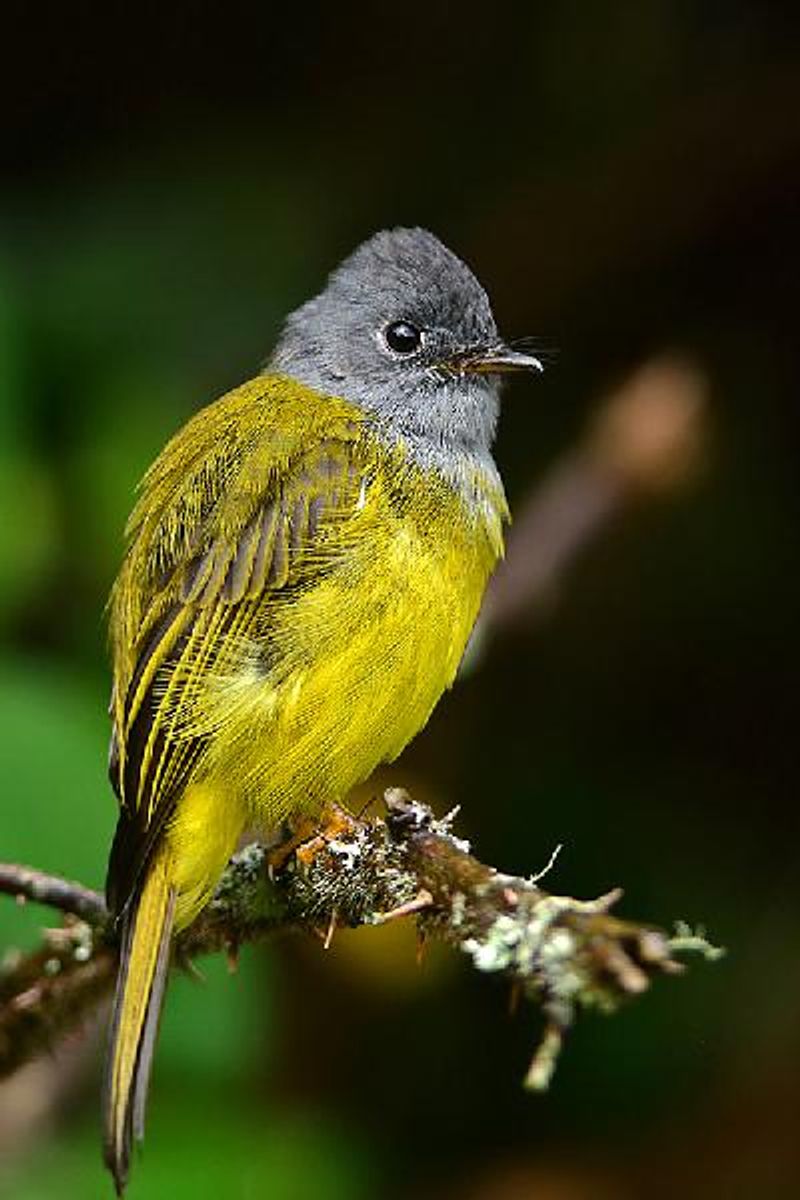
column 404, row 330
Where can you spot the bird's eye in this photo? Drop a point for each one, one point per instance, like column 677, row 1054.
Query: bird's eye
column 402, row 337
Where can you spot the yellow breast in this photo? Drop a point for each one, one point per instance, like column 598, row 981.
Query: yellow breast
column 360, row 658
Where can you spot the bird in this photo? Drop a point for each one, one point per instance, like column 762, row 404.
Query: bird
column 305, row 562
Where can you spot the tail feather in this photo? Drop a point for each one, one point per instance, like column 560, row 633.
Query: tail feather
column 141, row 983
column 147, row 1045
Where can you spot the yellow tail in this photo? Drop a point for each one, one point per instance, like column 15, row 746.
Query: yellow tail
column 144, row 965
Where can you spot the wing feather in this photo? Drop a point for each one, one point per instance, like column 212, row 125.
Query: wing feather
column 213, row 536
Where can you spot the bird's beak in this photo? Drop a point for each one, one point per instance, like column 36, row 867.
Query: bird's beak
column 496, row 360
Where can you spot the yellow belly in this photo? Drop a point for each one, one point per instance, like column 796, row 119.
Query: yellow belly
column 386, row 650
column 347, row 672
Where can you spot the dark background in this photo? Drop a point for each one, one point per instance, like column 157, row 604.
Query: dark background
column 625, row 179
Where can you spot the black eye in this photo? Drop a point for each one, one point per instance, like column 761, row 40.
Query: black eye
column 403, row 337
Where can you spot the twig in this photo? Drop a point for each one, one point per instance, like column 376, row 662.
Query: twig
column 47, row 994
column 25, row 883
column 562, row 954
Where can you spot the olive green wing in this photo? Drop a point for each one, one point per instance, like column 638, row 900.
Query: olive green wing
column 241, row 505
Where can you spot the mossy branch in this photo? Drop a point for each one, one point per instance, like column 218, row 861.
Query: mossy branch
column 562, row 954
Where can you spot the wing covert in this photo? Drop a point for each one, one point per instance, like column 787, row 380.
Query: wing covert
column 212, row 540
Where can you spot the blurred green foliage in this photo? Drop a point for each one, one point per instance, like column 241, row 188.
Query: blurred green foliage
column 297, row 1159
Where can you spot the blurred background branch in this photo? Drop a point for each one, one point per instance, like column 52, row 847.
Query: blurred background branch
column 645, row 440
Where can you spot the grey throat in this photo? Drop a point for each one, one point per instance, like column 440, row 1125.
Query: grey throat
column 438, row 395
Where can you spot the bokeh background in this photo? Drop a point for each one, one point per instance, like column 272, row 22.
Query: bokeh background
column 625, row 178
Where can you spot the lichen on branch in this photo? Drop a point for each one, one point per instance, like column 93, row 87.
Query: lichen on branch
column 561, row 954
